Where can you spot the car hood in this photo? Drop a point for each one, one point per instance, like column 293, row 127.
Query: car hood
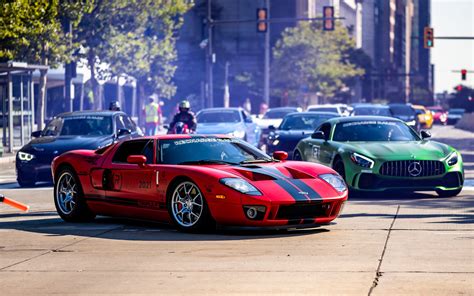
column 421, row 150
column 218, row 128
column 66, row 143
column 294, row 134
column 265, row 123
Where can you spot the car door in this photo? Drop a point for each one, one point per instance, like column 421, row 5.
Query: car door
column 251, row 129
column 132, row 185
column 320, row 150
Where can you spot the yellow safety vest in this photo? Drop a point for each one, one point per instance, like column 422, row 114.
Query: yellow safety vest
column 151, row 111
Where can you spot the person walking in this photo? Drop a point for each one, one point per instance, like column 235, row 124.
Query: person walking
column 152, row 116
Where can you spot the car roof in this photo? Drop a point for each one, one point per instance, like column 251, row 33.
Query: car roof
column 361, row 118
column 326, row 105
column 371, row 106
column 314, row 113
column 282, row 108
column 183, row 137
column 90, row 113
column 222, row 109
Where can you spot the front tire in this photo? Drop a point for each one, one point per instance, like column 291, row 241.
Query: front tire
column 338, row 166
column 69, row 198
column 448, row 193
column 188, row 209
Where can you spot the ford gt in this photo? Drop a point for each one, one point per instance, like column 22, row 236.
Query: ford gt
column 195, row 182
column 374, row 153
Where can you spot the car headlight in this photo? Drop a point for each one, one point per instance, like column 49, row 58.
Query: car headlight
column 427, row 117
column 335, row 181
column 237, row 134
column 241, row 186
column 25, row 156
column 276, row 142
column 452, row 159
column 362, row 161
column 411, row 123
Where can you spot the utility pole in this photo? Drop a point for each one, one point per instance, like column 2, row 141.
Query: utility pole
column 266, row 74
column 68, row 72
column 210, row 58
column 226, row 86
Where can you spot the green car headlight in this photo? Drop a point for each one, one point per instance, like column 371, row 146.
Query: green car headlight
column 25, row 156
column 335, row 181
column 362, row 160
column 452, row 159
column 241, row 186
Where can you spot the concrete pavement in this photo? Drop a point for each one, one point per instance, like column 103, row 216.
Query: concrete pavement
column 418, row 244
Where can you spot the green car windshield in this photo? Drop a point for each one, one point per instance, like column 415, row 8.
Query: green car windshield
column 373, row 131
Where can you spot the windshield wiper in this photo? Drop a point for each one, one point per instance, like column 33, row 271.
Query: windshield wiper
column 257, row 161
column 207, row 161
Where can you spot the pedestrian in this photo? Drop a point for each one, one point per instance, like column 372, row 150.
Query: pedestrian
column 152, row 116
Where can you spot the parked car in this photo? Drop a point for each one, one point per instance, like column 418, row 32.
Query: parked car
column 196, row 182
column 454, row 115
column 66, row 132
column 371, row 109
column 407, row 114
column 374, row 154
column 273, row 117
column 425, row 117
column 440, row 115
column 295, row 126
column 234, row 122
column 341, row 109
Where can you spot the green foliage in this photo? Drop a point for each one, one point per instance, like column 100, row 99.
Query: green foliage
column 309, row 59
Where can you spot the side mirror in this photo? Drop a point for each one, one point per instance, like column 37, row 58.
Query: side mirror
column 248, row 120
column 122, row 132
column 137, row 159
column 425, row 134
column 36, row 134
column 166, row 126
column 271, row 127
column 318, row 135
column 280, row 155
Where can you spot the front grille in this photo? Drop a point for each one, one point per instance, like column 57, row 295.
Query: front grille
column 412, row 168
column 372, row 181
column 302, row 211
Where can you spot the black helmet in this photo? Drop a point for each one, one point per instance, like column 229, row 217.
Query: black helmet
column 114, row 106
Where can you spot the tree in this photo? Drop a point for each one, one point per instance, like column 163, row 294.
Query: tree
column 31, row 31
column 463, row 98
column 146, row 49
column 311, row 60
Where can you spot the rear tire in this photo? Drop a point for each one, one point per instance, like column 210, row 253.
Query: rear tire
column 69, row 198
column 448, row 193
column 188, row 208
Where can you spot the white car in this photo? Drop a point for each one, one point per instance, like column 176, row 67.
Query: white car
column 341, row 109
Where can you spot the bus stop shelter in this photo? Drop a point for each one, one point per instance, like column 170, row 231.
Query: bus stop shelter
column 17, row 103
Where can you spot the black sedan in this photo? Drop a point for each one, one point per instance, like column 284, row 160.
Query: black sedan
column 70, row 131
column 294, row 127
column 407, row 114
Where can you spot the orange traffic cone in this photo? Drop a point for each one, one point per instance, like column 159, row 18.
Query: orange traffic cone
column 13, row 203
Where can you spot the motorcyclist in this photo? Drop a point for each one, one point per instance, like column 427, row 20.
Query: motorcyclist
column 114, row 106
column 185, row 116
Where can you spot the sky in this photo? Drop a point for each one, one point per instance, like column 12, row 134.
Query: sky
column 452, row 18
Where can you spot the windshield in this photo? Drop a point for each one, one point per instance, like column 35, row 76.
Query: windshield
column 402, row 110
column 303, row 122
column 324, row 109
column 372, row 111
column 231, row 116
column 208, row 150
column 277, row 114
column 83, row 125
column 373, row 131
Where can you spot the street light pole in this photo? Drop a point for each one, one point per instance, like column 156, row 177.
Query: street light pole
column 210, row 58
column 266, row 74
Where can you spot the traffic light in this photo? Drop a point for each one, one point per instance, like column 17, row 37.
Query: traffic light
column 463, row 74
column 428, row 37
column 328, row 15
column 262, row 17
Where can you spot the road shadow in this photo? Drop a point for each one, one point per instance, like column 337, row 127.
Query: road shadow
column 14, row 185
column 48, row 223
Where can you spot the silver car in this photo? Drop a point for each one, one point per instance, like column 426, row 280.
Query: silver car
column 234, row 122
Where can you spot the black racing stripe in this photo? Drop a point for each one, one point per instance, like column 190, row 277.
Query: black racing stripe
column 282, row 181
column 312, row 194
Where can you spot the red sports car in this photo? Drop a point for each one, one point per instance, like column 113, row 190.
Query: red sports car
column 195, row 182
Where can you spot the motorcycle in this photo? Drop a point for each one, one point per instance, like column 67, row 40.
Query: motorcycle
column 180, row 128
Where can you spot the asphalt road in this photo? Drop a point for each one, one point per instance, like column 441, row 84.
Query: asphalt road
column 382, row 245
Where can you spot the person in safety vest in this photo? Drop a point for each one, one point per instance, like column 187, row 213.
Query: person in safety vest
column 185, row 116
column 152, row 116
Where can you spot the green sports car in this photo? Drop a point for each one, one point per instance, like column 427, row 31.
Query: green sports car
column 374, row 153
